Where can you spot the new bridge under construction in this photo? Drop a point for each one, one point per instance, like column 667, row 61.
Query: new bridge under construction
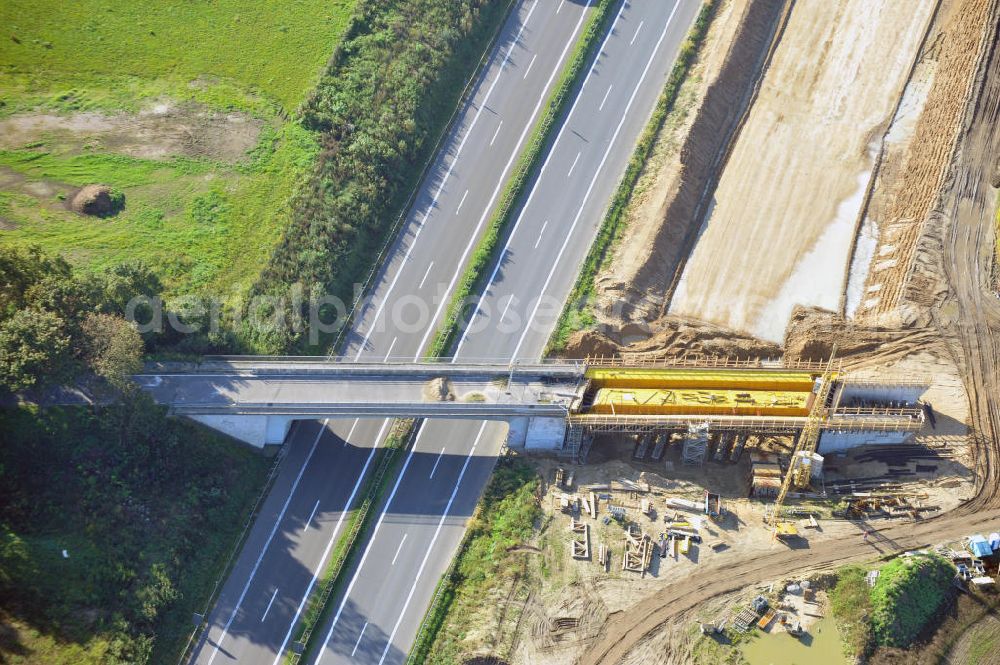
column 553, row 407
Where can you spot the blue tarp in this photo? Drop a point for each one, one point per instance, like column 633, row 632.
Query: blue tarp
column 995, row 541
column 979, row 547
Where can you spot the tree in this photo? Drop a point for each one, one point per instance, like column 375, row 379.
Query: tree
column 34, row 350
column 22, row 268
column 112, row 348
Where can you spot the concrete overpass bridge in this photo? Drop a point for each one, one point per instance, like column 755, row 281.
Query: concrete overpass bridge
column 554, row 405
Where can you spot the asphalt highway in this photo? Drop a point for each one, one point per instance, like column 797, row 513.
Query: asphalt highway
column 304, row 514
column 423, row 518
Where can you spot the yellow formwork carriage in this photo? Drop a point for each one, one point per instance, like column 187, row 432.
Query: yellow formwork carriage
column 782, row 380
column 692, row 401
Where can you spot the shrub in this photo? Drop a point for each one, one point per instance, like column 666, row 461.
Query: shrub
column 908, row 592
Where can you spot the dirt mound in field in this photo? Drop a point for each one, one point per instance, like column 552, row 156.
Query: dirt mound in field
column 97, row 201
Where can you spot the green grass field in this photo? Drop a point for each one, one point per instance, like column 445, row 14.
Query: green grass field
column 205, row 223
column 108, row 54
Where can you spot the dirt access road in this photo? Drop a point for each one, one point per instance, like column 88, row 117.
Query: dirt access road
column 969, row 319
column 623, row 631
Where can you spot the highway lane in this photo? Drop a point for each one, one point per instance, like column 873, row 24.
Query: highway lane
column 423, row 519
column 264, row 596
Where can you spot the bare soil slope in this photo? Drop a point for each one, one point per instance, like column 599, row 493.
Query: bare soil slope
column 780, row 226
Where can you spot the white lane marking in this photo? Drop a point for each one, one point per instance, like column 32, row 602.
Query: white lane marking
column 559, row 8
column 329, row 546
column 474, row 238
column 389, row 352
column 270, row 602
column 544, row 224
column 429, row 266
column 347, row 439
column 636, row 33
column 371, row 543
column 399, row 549
column 574, row 165
column 496, row 132
column 526, row 71
column 507, row 307
column 601, row 107
column 436, row 462
column 430, row 548
column 434, row 200
column 267, row 543
column 311, row 516
column 597, row 173
column 360, row 635
column 460, row 203
column 534, row 189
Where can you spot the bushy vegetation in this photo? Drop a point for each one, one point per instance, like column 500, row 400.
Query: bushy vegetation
column 55, row 325
column 379, row 109
column 146, row 509
column 576, row 313
column 506, row 518
column 908, row 592
column 851, row 606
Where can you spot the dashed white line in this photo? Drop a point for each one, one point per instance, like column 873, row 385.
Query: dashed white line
column 347, row 439
column 329, row 546
column 506, row 307
column 526, row 71
column 636, row 33
column 311, row 516
column 601, row 107
column 544, row 224
column 559, row 8
column 574, row 165
column 270, row 602
column 460, row 203
column 430, row 548
column 399, row 549
column 436, row 462
column 496, row 132
column 593, row 181
column 440, row 188
column 389, row 352
column 473, row 240
column 429, row 266
column 274, row 529
column 362, row 634
column 534, row 190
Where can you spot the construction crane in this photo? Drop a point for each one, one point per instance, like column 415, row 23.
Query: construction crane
column 800, row 467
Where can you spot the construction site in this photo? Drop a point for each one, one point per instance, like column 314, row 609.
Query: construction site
column 795, row 362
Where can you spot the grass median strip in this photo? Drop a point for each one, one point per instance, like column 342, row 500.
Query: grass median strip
column 360, row 521
column 475, row 275
column 577, row 313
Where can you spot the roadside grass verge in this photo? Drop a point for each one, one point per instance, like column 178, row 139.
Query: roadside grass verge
column 93, row 483
column 476, row 273
column 577, row 313
column 485, row 565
